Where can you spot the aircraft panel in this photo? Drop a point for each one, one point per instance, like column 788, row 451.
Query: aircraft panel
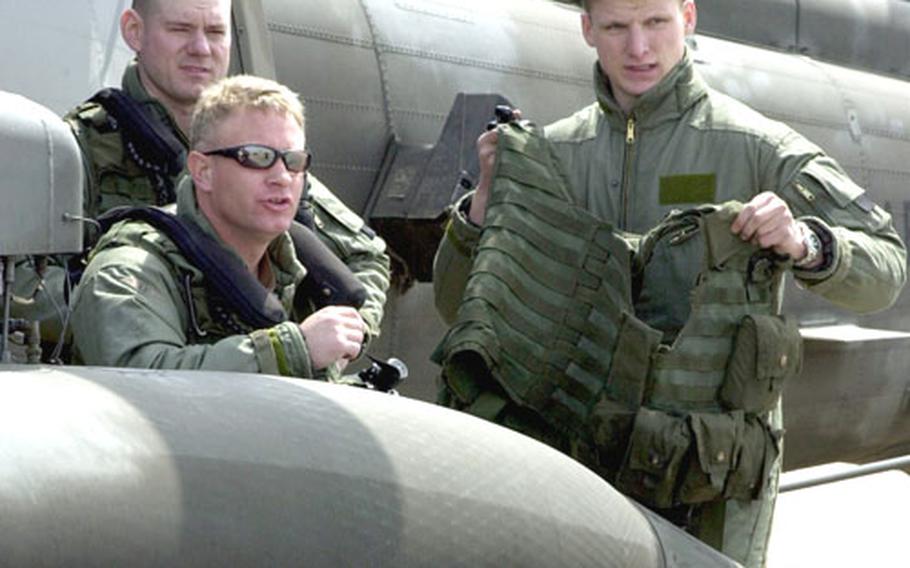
column 346, row 158
column 877, row 33
column 80, row 49
column 42, row 180
column 410, row 321
column 839, row 419
column 768, row 22
column 237, row 469
column 423, row 126
column 508, row 54
column 770, row 82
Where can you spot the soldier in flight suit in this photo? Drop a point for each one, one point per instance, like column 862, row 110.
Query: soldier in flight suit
column 182, row 47
column 659, row 138
column 143, row 302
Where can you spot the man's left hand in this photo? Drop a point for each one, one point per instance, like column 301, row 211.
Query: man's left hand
column 766, row 220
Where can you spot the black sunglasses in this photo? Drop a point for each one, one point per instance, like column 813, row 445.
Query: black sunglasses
column 259, row 157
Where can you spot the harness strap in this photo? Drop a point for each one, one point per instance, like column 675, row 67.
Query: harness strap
column 149, row 143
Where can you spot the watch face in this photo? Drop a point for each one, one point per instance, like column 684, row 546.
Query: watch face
column 813, row 247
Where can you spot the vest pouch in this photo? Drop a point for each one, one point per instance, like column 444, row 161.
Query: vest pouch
column 758, row 450
column 733, row 455
column 766, row 353
column 718, row 438
column 657, row 450
column 611, row 425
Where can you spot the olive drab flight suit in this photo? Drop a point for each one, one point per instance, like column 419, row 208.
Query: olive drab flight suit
column 115, row 179
column 683, row 145
column 142, row 303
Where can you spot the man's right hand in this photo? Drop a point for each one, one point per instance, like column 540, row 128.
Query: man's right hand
column 334, row 333
column 486, row 154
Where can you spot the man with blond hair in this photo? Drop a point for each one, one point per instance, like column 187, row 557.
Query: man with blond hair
column 134, row 144
column 658, row 139
column 145, row 302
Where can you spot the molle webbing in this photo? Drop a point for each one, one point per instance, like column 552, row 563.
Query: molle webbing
column 544, row 301
column 548, row 304
column 736, row 280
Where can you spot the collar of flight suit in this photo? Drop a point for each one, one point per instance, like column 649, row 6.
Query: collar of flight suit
column 667, row 101
column 132, row 85
column 284, row 263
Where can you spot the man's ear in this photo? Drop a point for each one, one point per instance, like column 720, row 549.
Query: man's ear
column 690, row 16
column 200, row 168
column 587, row 29
column 132, row 28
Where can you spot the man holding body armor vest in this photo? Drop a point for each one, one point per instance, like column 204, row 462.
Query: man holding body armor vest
column 134, row 143
column 145, row 302
column 658, row 139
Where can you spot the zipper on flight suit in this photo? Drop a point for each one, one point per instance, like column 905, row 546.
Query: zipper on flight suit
column 626, row 169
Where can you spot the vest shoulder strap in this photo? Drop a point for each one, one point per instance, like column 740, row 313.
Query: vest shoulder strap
column 151, row 144
column 224, row 273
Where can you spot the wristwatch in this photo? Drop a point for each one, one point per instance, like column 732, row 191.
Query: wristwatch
column 813, row 246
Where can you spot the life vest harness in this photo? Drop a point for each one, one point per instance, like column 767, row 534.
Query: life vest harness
column 328, row 281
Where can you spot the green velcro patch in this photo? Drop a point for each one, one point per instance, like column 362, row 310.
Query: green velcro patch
column 690, row 188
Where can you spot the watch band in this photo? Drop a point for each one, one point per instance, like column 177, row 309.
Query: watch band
column 813, row 246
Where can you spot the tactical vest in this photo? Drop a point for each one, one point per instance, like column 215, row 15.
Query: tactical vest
column 133, row 158
column 547, row 340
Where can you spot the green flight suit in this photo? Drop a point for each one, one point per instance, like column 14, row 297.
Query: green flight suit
column 684, row 144
column 113, row 179
column 141, row 303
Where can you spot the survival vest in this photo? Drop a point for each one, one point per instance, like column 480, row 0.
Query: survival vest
column 135, row 157
column 547, row 329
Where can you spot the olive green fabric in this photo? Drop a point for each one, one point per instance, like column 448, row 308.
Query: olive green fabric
column 142, row 304
column 683, row 128
column 547, row 323
column 541, row 267
column 114, row 179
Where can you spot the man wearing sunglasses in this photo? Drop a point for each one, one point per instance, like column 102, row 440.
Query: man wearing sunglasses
column 134, row 143
column 143, row 302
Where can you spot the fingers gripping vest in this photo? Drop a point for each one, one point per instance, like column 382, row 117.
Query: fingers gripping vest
column 547, row 324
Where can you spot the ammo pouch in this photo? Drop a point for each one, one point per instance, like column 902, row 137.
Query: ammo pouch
column 767, row 351
column 700, row 457
column 700, row 431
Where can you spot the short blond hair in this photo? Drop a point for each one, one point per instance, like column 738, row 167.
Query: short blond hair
column 586, row 4
column 230, row 94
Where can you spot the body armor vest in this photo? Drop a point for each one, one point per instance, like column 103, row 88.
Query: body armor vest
column 547, row 335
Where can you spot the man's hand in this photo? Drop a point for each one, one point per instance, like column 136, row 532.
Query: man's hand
column 486, row 155
column 334, row 333
column 766, row 220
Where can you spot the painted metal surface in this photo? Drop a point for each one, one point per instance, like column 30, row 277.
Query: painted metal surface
column 41, row 181
column 125, row 467
column 381, row 72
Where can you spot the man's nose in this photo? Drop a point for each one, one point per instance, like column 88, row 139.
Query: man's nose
column 279, row 173
column 199, row 43
column 637, row 42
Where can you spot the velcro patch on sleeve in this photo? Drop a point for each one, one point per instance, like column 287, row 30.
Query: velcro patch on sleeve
column 688, row 188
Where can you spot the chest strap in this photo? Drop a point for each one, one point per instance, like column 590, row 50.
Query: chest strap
column 328, row 280
column 150, row 144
